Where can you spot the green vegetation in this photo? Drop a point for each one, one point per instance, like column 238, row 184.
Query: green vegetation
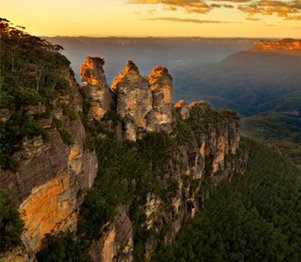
column 120, row 165
column 128, row 171
column 12, row 132
column 62, row 247
column 256, row 217
column 11, row 226
column 281, row 131
column 32, row 75
column 66, row 136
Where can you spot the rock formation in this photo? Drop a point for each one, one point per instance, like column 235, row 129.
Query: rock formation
column 134, row 102
column 144, row 104
column 95, row 87
column 161, row 85
column 284, row 45
column 196, row 168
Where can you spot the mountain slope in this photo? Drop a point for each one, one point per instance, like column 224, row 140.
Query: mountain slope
column 252, row 80
column 281, row 131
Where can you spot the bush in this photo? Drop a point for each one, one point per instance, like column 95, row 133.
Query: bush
column 11, row 226
column 66, row 136
column 62, row 247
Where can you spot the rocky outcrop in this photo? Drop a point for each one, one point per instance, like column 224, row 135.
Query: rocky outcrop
column 192, row 174
column 96, row 87
column 144, row 104
column 284, row 45
column 196, row 170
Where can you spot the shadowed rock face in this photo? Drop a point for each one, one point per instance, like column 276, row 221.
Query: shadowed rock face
column 96, row 87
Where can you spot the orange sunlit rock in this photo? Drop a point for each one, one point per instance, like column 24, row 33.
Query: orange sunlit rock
column 285, row 45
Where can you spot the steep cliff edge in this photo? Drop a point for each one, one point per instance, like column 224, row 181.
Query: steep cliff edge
column 156, row 163
column 44, row 166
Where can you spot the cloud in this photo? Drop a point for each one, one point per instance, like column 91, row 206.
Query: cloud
column 289, row 10
column 183, row 20
column 190, row 6
column 286, row 9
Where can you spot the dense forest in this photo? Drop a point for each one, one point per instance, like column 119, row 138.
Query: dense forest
column 256, row 217
column 279, row 130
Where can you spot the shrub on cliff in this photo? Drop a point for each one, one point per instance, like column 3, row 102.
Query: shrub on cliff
column 62, row 247
column 11, row 226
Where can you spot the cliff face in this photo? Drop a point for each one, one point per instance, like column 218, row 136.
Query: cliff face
column 206, row 153
column 285, row 45
column 52, row 176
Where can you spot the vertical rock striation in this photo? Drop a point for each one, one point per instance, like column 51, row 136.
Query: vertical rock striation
column 117, row 243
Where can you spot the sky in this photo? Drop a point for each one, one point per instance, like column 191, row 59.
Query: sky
column 202, row 18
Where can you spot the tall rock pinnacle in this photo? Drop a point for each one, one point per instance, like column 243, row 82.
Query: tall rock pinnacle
column 96, row 87
column 134, row 102
column 161, row 85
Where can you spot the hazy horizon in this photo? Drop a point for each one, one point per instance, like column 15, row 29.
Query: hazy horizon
column 164, row 18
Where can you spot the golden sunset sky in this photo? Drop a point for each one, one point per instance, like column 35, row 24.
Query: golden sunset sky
column 216, row 18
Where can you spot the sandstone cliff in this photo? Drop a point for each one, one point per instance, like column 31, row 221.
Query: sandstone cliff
column 54, row 169
column 284, row 45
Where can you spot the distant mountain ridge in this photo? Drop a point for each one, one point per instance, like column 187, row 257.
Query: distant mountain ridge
column 285, row 45
column 263, row 84
column 251, row 81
